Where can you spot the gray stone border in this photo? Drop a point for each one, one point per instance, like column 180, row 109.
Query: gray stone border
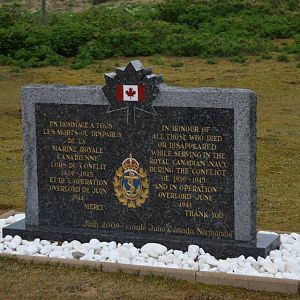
column 242, row 101
column 267, row 284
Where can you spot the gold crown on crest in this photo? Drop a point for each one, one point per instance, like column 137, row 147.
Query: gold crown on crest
column 130, row 163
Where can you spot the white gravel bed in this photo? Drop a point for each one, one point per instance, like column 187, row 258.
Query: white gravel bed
column 282, row 263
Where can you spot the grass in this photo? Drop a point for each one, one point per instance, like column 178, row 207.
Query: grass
column 278, row 134
column 277, row 86
column 50, row 282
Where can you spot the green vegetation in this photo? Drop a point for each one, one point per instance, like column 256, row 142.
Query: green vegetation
column 212, row 61
column 282, row 58
column 238, row 59
column 177, row 64
column 205, row 29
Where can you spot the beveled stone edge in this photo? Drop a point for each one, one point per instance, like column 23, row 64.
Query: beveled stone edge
column 266, row 284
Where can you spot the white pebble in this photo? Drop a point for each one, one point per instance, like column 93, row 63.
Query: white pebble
column 124, row 252
column 29, row 250
column 10, row 220
column 113, row 255
column 45, row 242
column 17, row 240
column 76, row 244
column 293, row 266
column 224, row 266
column 112, row 245
column 295, row 235
column 123, row 260
column 8, row 238
column 157, row 247
column 282, row 263
column 18, row 217
column 193, row 251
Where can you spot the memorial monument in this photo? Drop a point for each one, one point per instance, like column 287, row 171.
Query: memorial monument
column 139, row 161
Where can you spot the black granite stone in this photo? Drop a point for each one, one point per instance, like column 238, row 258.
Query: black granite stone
column 221, row 249
column 162, row 212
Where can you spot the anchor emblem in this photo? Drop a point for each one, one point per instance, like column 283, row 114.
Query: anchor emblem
column 131, row 183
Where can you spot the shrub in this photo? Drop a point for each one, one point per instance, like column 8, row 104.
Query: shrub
column 282, row 58
column 177, row 65
column 199, row 28
column 238, row 59
column 266, row 56
column 211, row 61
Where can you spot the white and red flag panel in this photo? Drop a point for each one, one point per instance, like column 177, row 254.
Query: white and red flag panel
column 130, row 93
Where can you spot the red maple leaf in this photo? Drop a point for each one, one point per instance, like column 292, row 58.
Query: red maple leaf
column 130, row 93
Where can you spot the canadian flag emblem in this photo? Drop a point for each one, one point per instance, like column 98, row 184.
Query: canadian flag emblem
column 130, row 93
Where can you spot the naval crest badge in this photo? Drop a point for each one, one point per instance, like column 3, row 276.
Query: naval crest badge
column 131, row 183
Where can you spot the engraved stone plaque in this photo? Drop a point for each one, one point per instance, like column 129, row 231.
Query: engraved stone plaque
column 139, row 161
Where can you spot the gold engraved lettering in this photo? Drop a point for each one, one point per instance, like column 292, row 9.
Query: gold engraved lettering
column 198, row 189
column 64, row 148
column 192, row 128
column 189, row 162
column 196, row 213
column 96, row 150
column 185, row 204
column 214, row 138
column 159, row 152
column 134, row 227
column 65, row 188
column 93, row 206
column 108, row 134
column 159, row 161
column 156, row 228
column 100, row 191
column 85, row 181
column 161, row 170
column 92, row 166
column 111, row 225
column 217, row 164
column 172, row 195
column 203, row 197
column 76, row 157
column 209, row 172
column 213, row 233
column 180, row 230
column 188, row 154
column 90, row 224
